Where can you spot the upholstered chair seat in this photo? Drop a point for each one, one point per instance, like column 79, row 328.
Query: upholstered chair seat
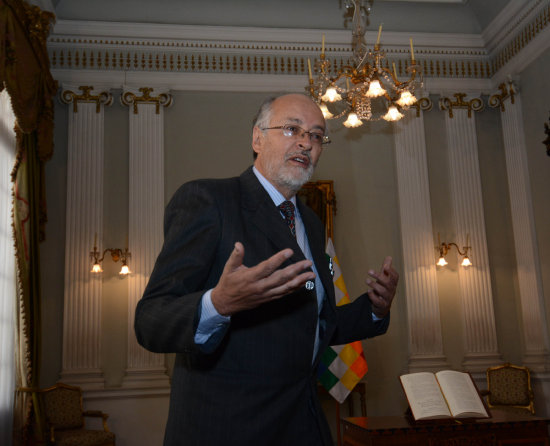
column 63, row 418
column 509, row 388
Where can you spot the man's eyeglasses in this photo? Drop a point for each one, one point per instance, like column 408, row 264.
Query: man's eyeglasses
column 295, row 131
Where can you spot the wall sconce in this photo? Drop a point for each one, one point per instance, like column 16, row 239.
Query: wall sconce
column 445, row 247
column 116, row 254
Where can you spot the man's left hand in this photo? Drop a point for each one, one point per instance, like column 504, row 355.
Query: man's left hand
column 383, row 286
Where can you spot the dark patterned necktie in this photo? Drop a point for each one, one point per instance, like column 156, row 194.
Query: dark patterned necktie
column 287, row 208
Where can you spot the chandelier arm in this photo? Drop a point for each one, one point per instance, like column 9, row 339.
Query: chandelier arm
column 332, row 83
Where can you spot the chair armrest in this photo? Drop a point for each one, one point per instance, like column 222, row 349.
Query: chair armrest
column 98, row 414
column 484, row 392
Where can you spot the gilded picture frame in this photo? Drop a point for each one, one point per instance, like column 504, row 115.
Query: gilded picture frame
column 319, row 196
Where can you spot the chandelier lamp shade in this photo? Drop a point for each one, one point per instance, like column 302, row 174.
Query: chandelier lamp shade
column 368, row 89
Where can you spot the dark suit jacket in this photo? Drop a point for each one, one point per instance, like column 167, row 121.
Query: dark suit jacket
column 254, row 383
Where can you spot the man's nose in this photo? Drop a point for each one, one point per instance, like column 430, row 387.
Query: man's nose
column 305, row 140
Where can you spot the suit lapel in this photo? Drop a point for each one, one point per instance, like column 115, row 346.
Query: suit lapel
column 265, row 216
column 317, row 248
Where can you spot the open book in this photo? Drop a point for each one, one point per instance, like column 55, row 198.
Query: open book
column 445, row 394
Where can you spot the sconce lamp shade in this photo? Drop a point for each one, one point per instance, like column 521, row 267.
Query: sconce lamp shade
column 445, row 247
column 116, row 254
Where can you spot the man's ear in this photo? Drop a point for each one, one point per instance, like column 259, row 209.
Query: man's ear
column 257, row 139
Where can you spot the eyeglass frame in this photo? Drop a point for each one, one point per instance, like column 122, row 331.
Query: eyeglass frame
column 325, row 138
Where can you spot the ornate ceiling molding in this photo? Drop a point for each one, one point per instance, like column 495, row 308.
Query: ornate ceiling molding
column 80, row 50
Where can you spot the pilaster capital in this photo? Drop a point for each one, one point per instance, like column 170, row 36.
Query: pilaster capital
column 507, row 90
column 461, row 102
column 422, row 104
column 87, row 95
column 147, row 96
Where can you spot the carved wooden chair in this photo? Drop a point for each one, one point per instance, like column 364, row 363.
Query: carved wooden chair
column 509, row 388
column 360, row 391
column 62, row 409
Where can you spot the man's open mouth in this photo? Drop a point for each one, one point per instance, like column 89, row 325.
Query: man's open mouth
column 303, row 160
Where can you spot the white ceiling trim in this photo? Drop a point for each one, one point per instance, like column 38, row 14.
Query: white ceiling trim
column 509, row 21
column 275, row 38
column 233, row 82
column 516, row 65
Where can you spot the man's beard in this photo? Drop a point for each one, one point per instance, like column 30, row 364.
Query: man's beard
column 292, row 178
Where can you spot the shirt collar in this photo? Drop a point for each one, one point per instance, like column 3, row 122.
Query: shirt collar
column 275, row 195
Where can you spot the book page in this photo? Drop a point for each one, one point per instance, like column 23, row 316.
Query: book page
column 424, row 395
column 461, row 394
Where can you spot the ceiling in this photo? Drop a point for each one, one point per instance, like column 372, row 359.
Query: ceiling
column 445, row 16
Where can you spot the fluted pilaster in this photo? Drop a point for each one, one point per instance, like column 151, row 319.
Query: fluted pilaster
column 480, row 341
column 424, row 323
column 82, row 298
column 145, row 232
column 535, row 354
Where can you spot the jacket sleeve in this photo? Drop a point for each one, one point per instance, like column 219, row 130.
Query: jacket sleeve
column 354, row 322
column 167, row 315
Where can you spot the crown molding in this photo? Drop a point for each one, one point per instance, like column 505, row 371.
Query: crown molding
column 531, row 52
column 510, row 21
column 267, row 59
column 234, row 82
column 118, row 34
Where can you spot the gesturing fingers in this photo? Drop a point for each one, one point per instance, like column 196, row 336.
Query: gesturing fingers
column 383, row 287
column 269, row 266
column 284, row 281
column 241, row 288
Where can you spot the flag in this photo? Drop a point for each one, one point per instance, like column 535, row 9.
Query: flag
column 341, row 366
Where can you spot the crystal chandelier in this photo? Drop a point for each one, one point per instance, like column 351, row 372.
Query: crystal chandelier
column 367, row 86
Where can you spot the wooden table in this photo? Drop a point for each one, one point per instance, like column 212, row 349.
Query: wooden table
column 502, row 429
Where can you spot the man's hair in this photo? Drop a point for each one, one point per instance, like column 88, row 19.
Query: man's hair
column 262, row 118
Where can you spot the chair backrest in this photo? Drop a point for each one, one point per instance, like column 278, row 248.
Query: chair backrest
column 510, row 385
column 63, row 406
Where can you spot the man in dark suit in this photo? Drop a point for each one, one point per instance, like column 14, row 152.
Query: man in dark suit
column 243, row 293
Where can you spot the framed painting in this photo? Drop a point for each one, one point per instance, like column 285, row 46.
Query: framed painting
column 319, row 196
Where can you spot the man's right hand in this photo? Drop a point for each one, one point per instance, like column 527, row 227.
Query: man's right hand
column 242, row 288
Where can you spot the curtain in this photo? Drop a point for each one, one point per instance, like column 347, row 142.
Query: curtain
column 24, row 73
column 7, row 272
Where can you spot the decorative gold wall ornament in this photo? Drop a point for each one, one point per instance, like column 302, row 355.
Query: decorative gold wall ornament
column 424, row 104
column 163, row 99
column 507, row 90
column 69, row 96
column 475, row 104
